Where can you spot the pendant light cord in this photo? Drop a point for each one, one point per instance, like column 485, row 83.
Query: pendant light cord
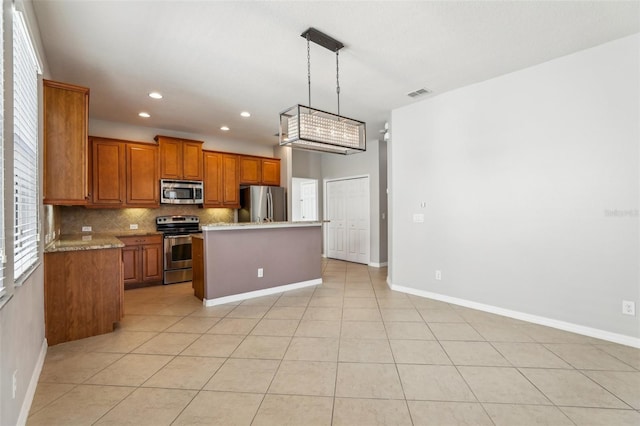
column 309, row 67
column 338, row 80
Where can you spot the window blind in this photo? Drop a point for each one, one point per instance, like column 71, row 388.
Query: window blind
column 25, row 149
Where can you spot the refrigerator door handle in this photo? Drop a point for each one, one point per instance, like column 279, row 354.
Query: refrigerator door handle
column 269, row 205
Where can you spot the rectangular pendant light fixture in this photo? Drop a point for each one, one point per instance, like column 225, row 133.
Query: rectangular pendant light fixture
column 303, row 127
column 311, row 129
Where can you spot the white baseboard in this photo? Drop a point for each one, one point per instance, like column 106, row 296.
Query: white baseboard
column 259, row 293
column 535, row 319
column 33, row 384
column 378, row 265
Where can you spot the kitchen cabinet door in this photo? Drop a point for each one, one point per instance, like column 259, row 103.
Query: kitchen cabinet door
column 151, row 262
column 213, row 180
column 180, row 159
column 131, row 262
column 170, row 158
column 142, row 175
column 108, row 175
column 231, row 186
column 192, row 160
column 271, row 172
column 82, row 293
column 142, row 258
column 250, row 170
column 66, row 117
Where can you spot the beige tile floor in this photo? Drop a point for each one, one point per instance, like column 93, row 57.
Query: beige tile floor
column 347, row 352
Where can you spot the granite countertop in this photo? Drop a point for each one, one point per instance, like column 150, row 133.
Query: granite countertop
column 258, row 225
column 93, row 241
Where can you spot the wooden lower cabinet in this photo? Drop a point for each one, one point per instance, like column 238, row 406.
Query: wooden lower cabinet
column 142, row 260
column 83, row 293
column 131, row 262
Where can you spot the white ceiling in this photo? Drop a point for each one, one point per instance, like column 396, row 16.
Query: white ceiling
column 214, row 59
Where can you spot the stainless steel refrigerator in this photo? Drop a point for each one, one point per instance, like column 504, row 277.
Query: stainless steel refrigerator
column 262, row 204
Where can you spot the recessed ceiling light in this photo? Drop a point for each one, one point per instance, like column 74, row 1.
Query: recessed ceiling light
column 245, row 114
column 224, row 128
column 144, row 114
column 155, row 95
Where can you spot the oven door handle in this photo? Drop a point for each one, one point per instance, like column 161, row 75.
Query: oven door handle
column 173, row 237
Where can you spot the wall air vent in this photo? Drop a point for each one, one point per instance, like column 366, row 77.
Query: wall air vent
column 418, row 92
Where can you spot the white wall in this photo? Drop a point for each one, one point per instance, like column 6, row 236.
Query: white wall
column 22, row 317
column 366, row 163
column 519, row 174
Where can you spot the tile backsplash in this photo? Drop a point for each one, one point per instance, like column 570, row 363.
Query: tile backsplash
column 72, row 219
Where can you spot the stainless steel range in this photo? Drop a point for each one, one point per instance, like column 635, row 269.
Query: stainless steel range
column 177, row 232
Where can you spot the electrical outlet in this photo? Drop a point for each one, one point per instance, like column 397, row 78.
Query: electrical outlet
column 439, row 275
column 418, row 218
column 15, row 383
column 86, row 229
column 133, row 226
column 629, row 307
column 260, row 272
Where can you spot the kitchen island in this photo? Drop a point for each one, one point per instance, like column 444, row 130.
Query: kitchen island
column 238, row 261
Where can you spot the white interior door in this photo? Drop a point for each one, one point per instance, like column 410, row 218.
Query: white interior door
column 308, row 200
column 348, row 214
column 336, row 215
column 358, row 220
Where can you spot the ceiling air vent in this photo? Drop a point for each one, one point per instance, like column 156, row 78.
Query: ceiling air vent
column 418, row 92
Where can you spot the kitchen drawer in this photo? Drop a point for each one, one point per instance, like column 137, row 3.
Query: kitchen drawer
column 136, row 240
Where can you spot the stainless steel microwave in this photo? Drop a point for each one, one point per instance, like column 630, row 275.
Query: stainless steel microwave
column 180, row 191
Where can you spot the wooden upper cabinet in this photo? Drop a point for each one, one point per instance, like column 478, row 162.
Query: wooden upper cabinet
column 66, row 117
column 250, row 170
column 170, row 158
column 124, row 174
column 221, row 186
column 271, row 171
column 192, row 160
column 212, row 179
column 259, row 170
column 142, row 175
column 231, row 186
column 108, row 179
column 180, row 158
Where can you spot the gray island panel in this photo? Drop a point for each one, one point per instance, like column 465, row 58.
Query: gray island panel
column 289, row 255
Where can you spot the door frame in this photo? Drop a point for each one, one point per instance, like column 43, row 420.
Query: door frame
column 325, row 227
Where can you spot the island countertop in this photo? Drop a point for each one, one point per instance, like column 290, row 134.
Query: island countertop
column 258, row 225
